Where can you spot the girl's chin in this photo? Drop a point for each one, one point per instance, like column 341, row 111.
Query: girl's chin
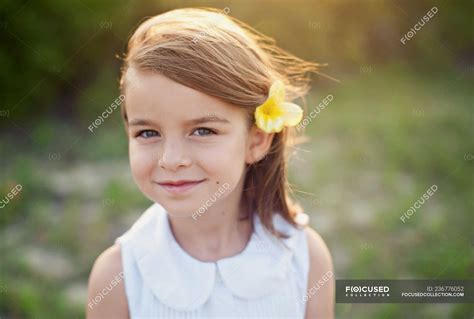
column 179, row 209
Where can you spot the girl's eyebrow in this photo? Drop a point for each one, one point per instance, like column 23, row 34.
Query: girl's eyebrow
column 207, row 119
column 140, row 122
column 201, row 120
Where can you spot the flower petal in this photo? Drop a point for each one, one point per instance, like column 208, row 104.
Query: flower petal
column 292, row 113
column 277, row 91
column 269, row 124
column 278, row 125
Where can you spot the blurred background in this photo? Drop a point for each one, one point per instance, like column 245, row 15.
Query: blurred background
column 400, row 121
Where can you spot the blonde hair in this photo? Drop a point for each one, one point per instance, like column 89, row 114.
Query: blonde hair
column 209, row 51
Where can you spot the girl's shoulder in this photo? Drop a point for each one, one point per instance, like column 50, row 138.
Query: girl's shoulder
column 106, row 293
column 320, row 293
column 321, row 300
column 319, row 254
column 317, row 247
column 106, row 289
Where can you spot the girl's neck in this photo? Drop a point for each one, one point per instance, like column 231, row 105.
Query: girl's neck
column 218, row 233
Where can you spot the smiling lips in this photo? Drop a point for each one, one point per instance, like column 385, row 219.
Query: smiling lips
column 180, row 186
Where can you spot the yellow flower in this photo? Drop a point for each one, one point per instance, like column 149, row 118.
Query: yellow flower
column 275, row 113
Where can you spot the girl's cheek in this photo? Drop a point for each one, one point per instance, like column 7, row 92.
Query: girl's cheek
column 141, row 161
column 227, row 160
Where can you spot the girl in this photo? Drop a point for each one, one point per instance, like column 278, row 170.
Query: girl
column 208, row 119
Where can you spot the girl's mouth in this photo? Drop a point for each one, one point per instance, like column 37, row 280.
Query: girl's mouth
column 179, row 187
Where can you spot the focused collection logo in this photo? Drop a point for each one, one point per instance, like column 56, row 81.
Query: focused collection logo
column 367, row 291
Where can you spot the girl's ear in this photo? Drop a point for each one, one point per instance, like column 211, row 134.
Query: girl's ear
column 258, row 144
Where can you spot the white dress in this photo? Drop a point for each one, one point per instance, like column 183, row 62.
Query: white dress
column 268, row 279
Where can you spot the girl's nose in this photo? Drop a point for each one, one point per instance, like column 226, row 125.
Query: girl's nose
column 173, row 156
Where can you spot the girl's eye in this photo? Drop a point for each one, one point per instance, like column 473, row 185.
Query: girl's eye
column 147, row 133
column 204, row 131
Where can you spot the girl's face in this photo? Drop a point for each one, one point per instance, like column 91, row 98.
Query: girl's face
column 179, row 134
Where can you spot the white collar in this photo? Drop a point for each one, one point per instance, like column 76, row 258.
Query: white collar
column 184, row 283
